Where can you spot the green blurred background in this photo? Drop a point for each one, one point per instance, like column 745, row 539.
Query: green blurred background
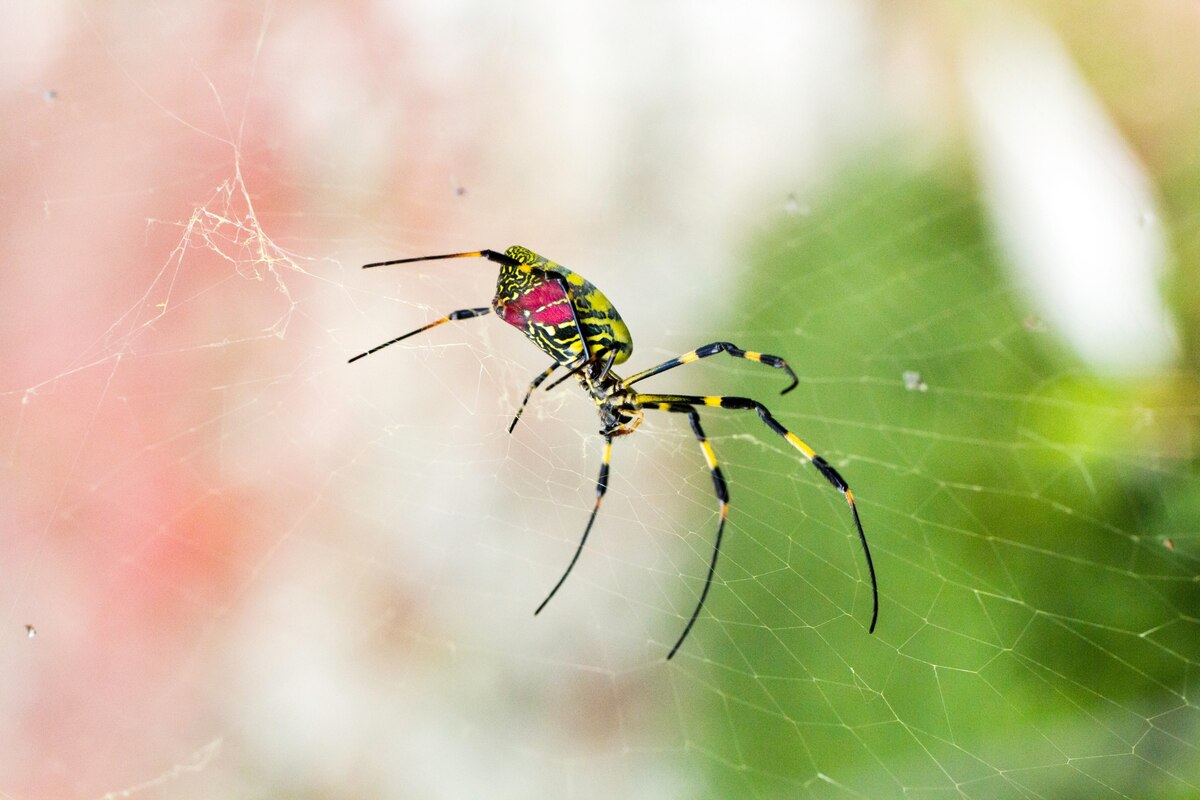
column 1033, row 526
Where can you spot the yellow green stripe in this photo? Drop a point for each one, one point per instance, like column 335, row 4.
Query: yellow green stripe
column 799, row 445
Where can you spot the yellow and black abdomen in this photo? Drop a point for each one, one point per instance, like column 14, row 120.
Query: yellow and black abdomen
column 550, row 304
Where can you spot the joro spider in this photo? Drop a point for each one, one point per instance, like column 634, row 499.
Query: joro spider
column 572, row 321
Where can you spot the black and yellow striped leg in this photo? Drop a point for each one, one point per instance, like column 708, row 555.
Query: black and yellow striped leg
column 601, row 488
column 712, row 350
column 453, row 316
column 532, row 386
column 722, row 491
column 823, row 466
column 491, row 255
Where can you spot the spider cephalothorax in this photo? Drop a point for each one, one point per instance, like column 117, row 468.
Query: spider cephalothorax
column 571, row 321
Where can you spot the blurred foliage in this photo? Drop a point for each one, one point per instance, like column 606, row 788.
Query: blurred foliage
column 1038, row 601
column 1146, row 67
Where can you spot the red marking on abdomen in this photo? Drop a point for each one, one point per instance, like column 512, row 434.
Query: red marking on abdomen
column 544, row 304
column 553, row 315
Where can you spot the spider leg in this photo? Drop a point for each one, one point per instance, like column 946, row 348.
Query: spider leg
column 491, row 255
column 601, row 488
column 712, row 350
column 608, row 362
column 823, row 466
column 453, row 316
column 573, row 371
column 722, row 492
column 536, row 383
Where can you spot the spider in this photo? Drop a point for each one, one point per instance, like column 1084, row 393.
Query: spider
column 572, row 321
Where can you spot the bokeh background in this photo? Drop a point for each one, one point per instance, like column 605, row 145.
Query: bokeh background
column 235, row 566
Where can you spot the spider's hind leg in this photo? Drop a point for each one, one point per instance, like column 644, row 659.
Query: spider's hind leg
column 722, row 491
column 601, row 488
column 824, row 467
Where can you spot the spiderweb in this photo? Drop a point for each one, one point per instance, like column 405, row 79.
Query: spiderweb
column 237, row 566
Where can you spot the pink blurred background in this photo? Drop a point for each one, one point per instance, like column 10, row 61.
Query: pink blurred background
column 243, row 563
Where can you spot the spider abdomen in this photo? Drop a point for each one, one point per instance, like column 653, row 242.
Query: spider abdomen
column 545, row 301
column 543, row 305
